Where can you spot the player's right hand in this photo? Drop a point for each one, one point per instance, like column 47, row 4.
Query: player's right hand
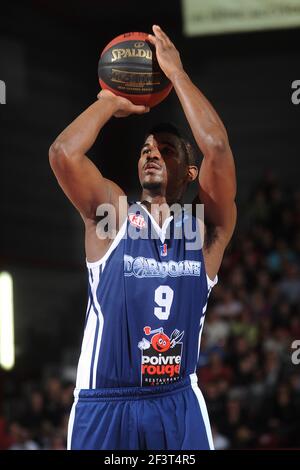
column 166, row 53
column 124, row 107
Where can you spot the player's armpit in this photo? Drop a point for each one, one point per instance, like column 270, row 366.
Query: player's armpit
column 216, row 240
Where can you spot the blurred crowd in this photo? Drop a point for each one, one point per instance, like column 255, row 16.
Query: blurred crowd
column 247, row 374
column 248, row 369
column 36, row 415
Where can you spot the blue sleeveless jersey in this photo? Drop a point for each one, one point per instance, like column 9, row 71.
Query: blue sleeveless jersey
column 147, row 303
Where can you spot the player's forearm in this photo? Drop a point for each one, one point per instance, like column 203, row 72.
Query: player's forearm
column 206, row 125
column 81, row 134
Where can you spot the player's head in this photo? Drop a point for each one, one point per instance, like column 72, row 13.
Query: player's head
column 167, row 162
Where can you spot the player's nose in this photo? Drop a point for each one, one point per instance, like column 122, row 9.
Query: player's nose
column 154, row 154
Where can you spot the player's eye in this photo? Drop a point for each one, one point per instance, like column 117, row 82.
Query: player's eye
column 146, row 151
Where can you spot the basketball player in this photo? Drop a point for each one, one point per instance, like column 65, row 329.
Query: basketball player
column 136, row 383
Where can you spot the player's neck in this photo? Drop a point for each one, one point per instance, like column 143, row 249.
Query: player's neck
column 153, row 199
column 158, row 199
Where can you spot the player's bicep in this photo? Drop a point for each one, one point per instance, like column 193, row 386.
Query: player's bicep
column 217, row 189
column 82, row 182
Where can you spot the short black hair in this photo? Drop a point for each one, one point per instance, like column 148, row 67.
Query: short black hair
column 188, row 149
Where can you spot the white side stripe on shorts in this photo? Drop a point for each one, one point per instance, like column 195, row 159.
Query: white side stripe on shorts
column 71, row 423
column 200, row 398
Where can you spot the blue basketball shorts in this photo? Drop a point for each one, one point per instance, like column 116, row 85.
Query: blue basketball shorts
column 166, row 417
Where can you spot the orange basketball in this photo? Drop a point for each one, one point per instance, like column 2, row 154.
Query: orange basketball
column 128, row 67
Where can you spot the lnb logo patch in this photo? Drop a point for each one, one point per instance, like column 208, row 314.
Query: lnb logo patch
column 2, row 92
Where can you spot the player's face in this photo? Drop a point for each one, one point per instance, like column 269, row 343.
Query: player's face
column 162, row 163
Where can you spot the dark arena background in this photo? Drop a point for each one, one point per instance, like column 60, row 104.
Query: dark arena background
column 250, row 372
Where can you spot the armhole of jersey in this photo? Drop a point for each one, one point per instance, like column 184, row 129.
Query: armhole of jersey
column 114, row 245
column 210, row 283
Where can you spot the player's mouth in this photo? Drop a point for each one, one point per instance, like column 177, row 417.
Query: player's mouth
column 152, row 166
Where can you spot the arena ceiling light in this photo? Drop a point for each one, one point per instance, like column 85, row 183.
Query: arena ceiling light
column 7, row 346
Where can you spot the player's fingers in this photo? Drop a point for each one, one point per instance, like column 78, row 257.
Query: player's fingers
column 161, row 34
column 139, row 109
column 156, row 42
column 152, row 39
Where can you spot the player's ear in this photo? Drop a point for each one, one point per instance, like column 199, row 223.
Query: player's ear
column 192, row 173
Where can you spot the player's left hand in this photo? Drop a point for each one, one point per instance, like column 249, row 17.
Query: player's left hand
column 167, row 55
column 123, row 107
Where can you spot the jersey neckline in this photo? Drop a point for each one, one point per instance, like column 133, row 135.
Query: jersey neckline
column 161, row 231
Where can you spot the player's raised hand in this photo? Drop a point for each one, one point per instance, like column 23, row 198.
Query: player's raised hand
column 167, row 55
column 123, row 106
